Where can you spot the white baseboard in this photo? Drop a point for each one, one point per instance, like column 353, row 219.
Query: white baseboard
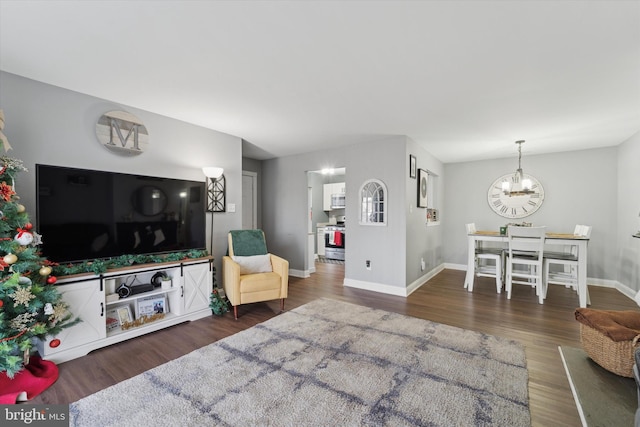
column 450, row 266
column 375, row 287
column 424, row 279
column 394, row 290
column 303, row 274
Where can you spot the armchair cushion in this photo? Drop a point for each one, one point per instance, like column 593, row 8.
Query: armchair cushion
column 247, row 243
column 254, row 264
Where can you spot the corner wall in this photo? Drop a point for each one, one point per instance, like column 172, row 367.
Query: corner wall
column 285, row 211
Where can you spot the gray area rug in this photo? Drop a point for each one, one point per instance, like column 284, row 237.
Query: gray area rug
column 327, row 363
column 602, row 397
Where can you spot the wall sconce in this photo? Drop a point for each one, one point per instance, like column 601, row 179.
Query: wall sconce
column 215, row 196
column 216, row 193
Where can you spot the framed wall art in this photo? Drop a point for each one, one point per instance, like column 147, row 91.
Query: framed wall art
column 423, row 184
column 412, row 166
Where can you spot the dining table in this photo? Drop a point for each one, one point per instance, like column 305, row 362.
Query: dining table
column 551, row 239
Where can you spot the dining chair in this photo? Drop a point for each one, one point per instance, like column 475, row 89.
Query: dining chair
column 495, row 257
column 525, row 259
column 566, row 263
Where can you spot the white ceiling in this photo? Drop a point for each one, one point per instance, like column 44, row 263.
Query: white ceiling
column 465, row 79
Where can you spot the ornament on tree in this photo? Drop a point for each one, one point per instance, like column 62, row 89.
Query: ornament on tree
column 24, row 237
column 20, row 208
column 45, row 271
column 10, row 258
column 48, row 309
column 51, row 280
column 37, row 238
column 22, row 296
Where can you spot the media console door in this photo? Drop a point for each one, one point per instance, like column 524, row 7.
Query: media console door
column 86, row 301
column 197, row 287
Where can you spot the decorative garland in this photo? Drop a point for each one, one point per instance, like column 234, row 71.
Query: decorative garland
column 99, row 266
column 142, row 321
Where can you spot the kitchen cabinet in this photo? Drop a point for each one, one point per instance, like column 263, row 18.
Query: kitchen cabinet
column 328, row 190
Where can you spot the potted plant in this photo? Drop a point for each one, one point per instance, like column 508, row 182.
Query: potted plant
column 218, row 304
column 165, row 280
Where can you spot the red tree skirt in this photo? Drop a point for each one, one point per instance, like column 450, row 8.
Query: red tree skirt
column 35, row 378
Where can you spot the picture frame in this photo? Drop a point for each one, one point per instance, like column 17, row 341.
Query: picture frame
column 412, row 166
column 151, row 305
column 423, row 185
column 124, row 315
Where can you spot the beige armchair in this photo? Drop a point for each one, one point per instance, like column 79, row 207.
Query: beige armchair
column 251, row 274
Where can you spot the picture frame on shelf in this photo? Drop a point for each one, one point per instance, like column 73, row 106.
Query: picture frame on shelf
column 151, row 305
column 124, row 315
column 412, row 166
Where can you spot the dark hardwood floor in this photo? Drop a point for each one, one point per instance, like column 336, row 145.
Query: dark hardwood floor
column 541, row 328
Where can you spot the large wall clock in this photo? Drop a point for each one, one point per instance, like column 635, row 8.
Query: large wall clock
column 515, row 206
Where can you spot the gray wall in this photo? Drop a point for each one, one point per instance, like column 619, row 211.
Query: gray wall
column 285, row 214
column 628, row 216
column 580, row 188
column 49, row 125
column 423, row 242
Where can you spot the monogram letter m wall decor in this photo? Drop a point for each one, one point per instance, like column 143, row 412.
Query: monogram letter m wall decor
column 122, row 133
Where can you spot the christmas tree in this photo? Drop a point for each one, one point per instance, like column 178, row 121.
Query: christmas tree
column 30, row 305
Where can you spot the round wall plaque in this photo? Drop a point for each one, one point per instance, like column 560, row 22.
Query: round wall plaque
column 122, row 133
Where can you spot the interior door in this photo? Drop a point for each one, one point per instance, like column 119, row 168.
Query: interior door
column 249, row 200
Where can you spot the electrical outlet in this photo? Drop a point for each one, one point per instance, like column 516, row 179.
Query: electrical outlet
column 367, row 264
column 422, row 264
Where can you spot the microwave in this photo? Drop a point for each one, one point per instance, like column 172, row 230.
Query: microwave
column 337, row 201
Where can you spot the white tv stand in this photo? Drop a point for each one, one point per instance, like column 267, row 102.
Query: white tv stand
column 87, row 296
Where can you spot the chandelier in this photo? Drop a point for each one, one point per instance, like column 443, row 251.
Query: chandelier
column 519, row 185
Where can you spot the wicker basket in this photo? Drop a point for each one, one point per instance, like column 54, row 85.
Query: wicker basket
column 614, row 356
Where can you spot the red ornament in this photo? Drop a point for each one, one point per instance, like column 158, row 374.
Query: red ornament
column 54, row 343
column 51, row 280
column 28, row 226
column 1, row 303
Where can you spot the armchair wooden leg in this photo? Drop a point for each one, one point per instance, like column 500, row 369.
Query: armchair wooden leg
column 281, row 305
column 235, row 311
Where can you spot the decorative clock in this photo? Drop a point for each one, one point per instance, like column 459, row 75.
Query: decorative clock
column 515, row 204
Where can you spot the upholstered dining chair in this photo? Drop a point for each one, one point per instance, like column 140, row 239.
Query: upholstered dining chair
column 565, row 263
column 494, row 256
column 250, row 273
column 525, row 259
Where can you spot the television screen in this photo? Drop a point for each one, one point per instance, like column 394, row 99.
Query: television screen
column 86, row 214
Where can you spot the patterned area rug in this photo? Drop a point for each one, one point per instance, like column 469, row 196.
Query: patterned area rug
column 327, row 363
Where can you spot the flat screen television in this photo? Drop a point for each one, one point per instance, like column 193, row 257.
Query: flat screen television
column 88, row 214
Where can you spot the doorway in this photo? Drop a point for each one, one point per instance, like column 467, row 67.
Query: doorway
column 322, row 213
